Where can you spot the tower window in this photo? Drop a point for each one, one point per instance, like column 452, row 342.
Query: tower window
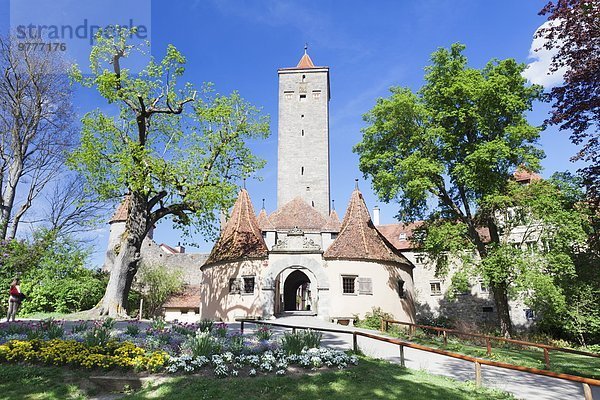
column 302, row 97
column 303, row 78
column 308, row 188
column 302, row 171
column 316, row 94
column 301, row 115
column 302, row 132
column 288, row 94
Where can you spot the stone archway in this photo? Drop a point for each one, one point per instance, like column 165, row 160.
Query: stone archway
column 312, row 268
column 296, row 292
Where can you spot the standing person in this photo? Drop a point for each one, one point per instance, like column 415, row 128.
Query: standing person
column 14, row 300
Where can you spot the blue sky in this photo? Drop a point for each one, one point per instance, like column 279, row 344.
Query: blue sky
column 369, row 46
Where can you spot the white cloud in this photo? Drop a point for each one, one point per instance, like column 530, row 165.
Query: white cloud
column 538, row 71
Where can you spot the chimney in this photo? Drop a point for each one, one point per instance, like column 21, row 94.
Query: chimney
column 376, row 216
column 179, row 248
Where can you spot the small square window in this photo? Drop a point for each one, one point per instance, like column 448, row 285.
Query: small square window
column 235, row 286
column 436, row 288
column 302, row 97
column 483, row 287
column 487, row 309
column 248, row 285
column 420, row 259
column 529, row 314
column 349, row 284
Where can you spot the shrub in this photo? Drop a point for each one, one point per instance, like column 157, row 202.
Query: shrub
column 69, row 352
column 264, row 333
column 202, row 344
column 294, row 343
column 206, row 325
column 372, row 319
column 97, row 336
column 132, row 330
column 236, row 344
column 158, row 283
column 51, row 328
column 221, row 330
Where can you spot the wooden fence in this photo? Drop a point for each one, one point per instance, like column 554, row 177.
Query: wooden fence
column 477, row 362
column 385, row 323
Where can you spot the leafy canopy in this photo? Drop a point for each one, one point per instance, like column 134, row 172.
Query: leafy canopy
column 458, row 140
column 183, row 161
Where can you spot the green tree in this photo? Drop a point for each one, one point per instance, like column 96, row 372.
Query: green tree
column 562, row 270
column 447, row 153
column 53, row 272
column 157, row 284
column 174, row 153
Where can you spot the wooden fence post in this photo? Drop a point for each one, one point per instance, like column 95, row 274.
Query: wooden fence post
column 382, row 325
column 354, row 342
column 488, row 344
column 387, row 325
column 477, row 374
column 242, row 327
column 587, row 392
column 402, row 364
column 445, row 338
column 547, row 357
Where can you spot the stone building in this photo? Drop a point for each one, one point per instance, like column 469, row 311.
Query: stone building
column 301, row 258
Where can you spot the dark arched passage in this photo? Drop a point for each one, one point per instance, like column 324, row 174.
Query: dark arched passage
column 296, row 291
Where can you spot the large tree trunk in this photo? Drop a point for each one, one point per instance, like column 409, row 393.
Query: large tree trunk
column 501, row 301
column 114, row 302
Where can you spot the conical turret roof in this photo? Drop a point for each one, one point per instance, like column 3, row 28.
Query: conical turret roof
column 241, row 238
column 264, row 223
column 334, row 223
column 122, row 211
column 359, row 239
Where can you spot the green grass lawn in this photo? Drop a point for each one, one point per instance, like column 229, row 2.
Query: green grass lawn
column 573, row 364
column 371, row 379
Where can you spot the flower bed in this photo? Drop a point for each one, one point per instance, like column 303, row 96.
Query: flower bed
column 177, row 348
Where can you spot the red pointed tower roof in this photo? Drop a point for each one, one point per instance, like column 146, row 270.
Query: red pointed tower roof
column 241, row 237
column 359, row 239
column 305, row 61
column 122, row 211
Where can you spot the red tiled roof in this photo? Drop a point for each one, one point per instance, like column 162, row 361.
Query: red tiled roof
column 122, row 211
column 188, row 298
column 358, row 237
column 393, row 233
column 241, row 237
column 297, row 213
column 305, row 62
column 333, row 223
column 263, row 221
column 525, row 176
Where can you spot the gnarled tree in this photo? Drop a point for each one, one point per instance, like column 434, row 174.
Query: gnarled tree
column 173, row 152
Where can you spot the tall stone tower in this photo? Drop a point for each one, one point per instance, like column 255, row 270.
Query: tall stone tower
column 303, row 135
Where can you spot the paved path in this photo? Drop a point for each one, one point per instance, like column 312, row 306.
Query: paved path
column 521, row 384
